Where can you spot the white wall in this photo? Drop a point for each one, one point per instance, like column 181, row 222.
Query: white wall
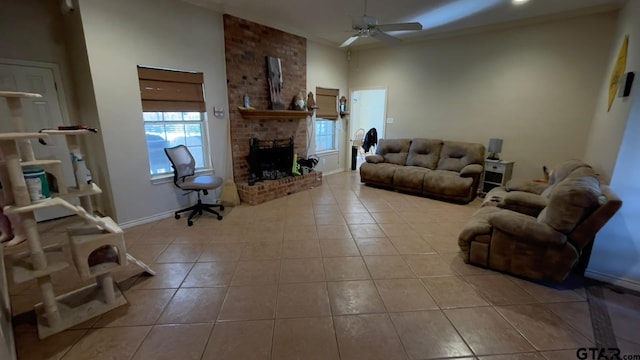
column 122, row 34
column 327, row 68
column 534, row 86
column 613, row 148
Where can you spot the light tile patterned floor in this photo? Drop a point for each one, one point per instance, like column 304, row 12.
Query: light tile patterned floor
column 342, row 271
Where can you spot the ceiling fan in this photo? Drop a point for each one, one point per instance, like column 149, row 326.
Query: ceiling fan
column 367, row 26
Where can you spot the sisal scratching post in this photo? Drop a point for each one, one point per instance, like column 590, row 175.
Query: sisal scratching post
column 229, row 196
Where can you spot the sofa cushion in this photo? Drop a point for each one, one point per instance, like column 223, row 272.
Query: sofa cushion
column 446, row 183
column 394, row 151
column 456, row 155
column 409, row 178
column 570, row 202
column 381, row 174
column 424, row 153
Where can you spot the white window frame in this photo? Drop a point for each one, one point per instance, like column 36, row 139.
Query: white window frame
column 317, row 134
column 206, row 158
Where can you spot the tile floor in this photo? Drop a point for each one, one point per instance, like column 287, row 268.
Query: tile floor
column 342, row 271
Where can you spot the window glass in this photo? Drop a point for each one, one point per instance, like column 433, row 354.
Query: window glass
column 168, row 129
column 325, row 135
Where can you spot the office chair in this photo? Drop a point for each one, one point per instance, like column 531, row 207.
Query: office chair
column 184, row 166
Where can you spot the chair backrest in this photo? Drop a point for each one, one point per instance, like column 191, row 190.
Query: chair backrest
column 579, row 206
column 358, row 137
column 182, row 162
column 610, row 203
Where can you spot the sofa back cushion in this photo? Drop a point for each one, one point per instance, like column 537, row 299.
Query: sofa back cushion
column 394, row 151
column 571, row 201
column 456, row 155
column 424, row 153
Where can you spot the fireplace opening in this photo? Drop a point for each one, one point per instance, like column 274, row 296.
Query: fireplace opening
column 270, row 159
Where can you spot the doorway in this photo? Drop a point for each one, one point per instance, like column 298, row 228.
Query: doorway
column 44, row 113
column 368, row 110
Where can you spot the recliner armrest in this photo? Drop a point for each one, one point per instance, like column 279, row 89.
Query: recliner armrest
column 527, row 228
column 526, row 186
column 523, row 202
column 471, row 170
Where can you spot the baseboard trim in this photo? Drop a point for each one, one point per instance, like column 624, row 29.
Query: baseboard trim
column 146, row 220
column 625, row 283
column 336, row 171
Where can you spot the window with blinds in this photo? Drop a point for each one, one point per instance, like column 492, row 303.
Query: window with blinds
column 326, row 114
column 327, row 103
column 174, row 113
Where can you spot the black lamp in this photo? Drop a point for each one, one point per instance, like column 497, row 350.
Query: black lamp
column 495, row 147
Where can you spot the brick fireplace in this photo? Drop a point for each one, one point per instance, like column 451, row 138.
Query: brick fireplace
column 246, row 46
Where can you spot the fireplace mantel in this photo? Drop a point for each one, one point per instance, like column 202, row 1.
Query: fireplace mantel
column 274, row 114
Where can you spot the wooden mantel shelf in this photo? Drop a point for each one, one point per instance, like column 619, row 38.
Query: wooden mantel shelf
column 274, row 114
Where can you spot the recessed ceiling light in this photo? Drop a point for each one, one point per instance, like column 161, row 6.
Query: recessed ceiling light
column 519, row 2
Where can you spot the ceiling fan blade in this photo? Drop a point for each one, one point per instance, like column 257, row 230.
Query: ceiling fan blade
column 384, row 37
column 349, row 41
column 400, row 26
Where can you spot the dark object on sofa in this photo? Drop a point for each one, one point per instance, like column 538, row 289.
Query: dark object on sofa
column 547, row 246
column 370, row 139
column 441, row 169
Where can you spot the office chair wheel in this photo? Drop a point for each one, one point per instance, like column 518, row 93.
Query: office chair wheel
column 221, row 209
column 177, row 216
column 189, row 223
column 219, row 217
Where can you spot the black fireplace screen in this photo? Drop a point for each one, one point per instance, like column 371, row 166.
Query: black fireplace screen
column 270, row 159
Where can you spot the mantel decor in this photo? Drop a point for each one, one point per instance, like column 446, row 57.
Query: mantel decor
column 274, row 69
column 274, row 114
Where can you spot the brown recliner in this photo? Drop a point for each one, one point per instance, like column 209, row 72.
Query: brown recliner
column 528, row 197
column 548, row 246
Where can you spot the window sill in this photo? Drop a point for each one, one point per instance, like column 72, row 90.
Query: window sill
column 327, row 152
column 168, row 178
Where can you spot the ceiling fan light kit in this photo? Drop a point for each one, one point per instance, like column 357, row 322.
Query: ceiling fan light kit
column 367, row 26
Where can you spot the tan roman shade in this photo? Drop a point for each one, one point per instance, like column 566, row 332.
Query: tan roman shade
column 170, row 90
column 327, row 103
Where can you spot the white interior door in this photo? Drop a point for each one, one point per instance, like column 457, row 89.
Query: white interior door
column 39, row 114
column 368, row 110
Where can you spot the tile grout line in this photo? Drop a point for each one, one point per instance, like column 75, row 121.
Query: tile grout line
column 603, row 332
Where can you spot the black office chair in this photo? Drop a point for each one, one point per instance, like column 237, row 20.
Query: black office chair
column 184, row 166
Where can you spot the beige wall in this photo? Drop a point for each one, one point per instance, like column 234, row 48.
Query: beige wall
column 534, row 86
column 327, row 67
column 120, row 35
column 614, row 141
column 33, row 30
column 608, row 126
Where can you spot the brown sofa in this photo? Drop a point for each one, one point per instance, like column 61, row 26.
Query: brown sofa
column 447, row 170
column 547, row 246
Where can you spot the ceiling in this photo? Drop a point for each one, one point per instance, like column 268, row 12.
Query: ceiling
column 330, row 21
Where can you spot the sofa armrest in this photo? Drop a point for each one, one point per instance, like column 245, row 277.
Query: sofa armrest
column 527, row 228
column 526, row 186
column 471, row 170
column 374, row 159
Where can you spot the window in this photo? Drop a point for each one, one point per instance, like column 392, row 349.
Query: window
column 325, row 135
column 326, row 116
column 173, row 114
column 167, row 129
